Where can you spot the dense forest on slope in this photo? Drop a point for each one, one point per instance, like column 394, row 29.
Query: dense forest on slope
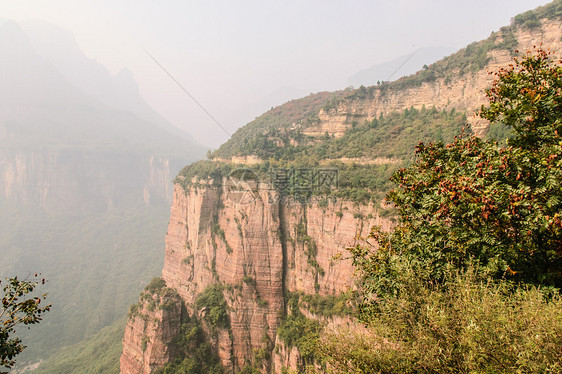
column 389, row 141
column 284, row 125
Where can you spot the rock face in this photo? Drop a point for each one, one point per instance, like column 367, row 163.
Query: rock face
column 464, row 93
column 67, row 181
column 150, row 337
column 259, row 250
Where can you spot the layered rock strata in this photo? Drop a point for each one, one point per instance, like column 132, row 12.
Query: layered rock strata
column 259, row 250
column 465, row 93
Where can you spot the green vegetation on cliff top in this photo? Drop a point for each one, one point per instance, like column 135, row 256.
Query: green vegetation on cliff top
column 389, row 140
column 300, row 111
column 274, row 132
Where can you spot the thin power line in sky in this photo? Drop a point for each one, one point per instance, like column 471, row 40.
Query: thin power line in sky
column 187, row 92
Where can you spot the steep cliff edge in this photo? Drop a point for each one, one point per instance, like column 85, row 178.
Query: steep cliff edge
column 460, row 88
column 277, row 267
column 258, row 252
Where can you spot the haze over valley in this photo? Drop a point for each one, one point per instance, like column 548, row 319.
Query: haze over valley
column 205, row 187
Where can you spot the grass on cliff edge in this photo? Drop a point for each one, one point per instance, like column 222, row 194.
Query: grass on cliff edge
column 466, row 325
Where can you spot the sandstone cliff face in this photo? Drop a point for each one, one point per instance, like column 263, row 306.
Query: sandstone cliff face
column 464, row 93
column 153, row 323
column 259, row 250
column 67, row 181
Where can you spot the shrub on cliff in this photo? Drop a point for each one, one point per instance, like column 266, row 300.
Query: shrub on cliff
column 213, row 307
column 155, row 285
column 467, row 280
column 197, row 356
column 497, row 206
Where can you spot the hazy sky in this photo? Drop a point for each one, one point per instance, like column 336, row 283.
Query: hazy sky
column 238, row 58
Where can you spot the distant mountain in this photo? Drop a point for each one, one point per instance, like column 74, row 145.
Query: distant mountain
column 120, row 92
column 85, row 182
column 399, row 67
column 69, row 100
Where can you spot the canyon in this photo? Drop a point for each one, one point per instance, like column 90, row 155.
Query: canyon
column 85, row 168
column 259, row 250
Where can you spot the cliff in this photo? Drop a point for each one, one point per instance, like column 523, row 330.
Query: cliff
column 259, row 252
column 460, row 88
column 54, row 181
column 279, row 265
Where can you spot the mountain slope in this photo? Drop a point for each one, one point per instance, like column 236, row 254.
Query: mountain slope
column 104, row 346
column 254, row 257
column 401, row 66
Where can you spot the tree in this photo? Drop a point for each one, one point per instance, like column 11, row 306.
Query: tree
column 495, row 206
column 467, row 280
column 18, row 307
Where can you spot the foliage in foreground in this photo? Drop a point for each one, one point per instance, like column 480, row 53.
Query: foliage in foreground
column 474, row 201
column 18, row 307
column 467, row 280
column 465, row 324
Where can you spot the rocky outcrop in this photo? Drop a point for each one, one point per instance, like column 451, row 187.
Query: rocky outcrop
column 259, row 250
column 153, row 324
column 465, row 92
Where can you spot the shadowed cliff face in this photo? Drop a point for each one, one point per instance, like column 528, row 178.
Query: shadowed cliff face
column 259, row 251
column 81, row 178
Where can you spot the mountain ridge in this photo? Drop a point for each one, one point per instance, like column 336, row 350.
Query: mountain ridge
column 401, row 66
column 255, row 252
column 119, row 91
